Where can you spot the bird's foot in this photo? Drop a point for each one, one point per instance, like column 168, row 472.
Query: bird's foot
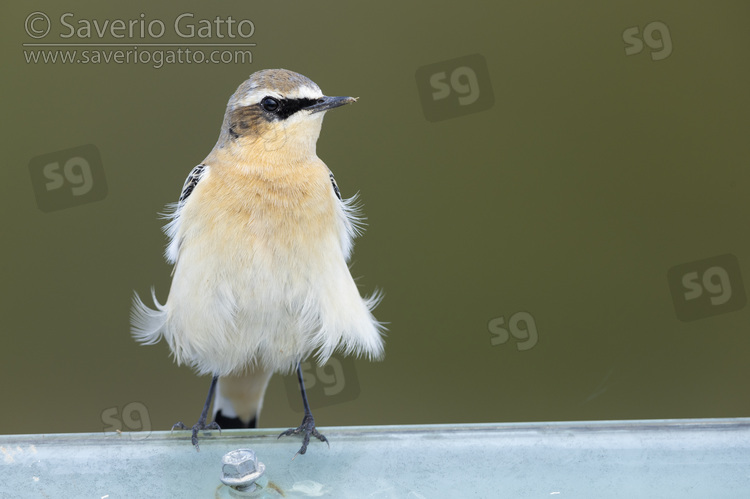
column 199, row 426
column 307, row 429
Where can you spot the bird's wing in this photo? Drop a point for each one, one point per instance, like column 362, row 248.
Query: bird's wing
column 174, row 210
column 190, row 183
column 335, row 187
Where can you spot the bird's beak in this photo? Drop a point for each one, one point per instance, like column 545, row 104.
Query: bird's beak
column 325, row 103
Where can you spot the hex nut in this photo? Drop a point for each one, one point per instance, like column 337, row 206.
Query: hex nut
column 240, row 469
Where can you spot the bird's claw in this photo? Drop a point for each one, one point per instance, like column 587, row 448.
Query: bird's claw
column 307, row 429
column 199, row 426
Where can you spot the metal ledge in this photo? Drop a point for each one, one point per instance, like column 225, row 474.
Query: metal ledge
column 628, row 459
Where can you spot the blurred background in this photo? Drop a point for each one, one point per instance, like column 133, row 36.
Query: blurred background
column 556, row 194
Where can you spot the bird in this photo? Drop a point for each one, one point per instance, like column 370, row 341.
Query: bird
column 260, row 239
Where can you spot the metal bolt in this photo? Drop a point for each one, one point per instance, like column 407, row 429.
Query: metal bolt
column 240, row 469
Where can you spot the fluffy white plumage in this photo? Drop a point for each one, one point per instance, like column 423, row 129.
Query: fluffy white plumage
column 260, row 249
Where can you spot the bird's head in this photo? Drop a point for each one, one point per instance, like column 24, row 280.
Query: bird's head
column 276, row 110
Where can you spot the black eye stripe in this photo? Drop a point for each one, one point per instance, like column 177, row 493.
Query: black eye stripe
column 288, row 107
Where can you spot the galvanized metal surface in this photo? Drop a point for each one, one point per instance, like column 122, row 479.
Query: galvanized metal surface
column 628, row 459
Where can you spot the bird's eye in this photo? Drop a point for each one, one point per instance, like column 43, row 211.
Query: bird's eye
column 269, row 104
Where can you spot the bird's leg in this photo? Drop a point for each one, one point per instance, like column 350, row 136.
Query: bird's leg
column 201, row 424
column 307, row 427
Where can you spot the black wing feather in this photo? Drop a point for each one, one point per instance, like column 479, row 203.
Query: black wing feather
column 191, row 182
column 335, row 187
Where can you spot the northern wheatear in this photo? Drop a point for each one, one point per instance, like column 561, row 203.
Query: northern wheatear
column 259, row 240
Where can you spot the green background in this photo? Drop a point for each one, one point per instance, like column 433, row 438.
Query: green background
column 593, row 173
